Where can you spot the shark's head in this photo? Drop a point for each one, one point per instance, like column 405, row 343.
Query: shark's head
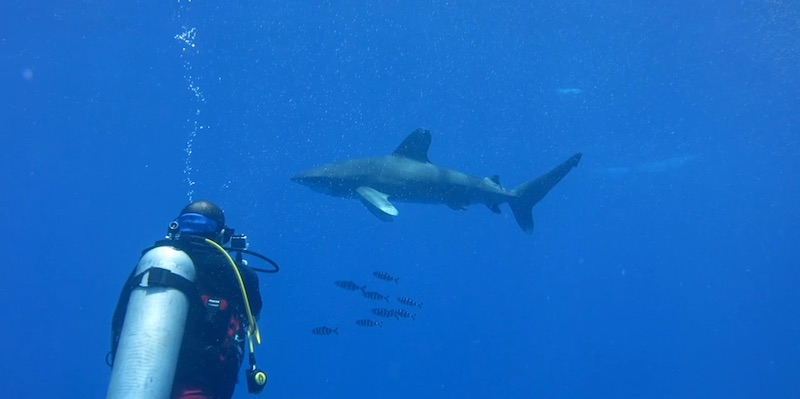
column 321, row 180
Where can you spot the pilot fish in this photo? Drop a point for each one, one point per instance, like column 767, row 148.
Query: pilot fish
column 376, row 296
column 409, row 302
column 349, row 285
column 385, row 276
column 324, row 330
column 368, row 323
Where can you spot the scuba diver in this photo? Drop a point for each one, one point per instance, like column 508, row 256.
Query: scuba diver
column 187, row 312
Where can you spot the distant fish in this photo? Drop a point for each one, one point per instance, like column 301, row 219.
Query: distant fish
column 404, row 314
column 664, row 165
column 409, row 302
column 569, row 91
column 385, row 276
column 324, row 330
column 368, row 323
column 349, row 285
column 384, row 312
column 376, row 296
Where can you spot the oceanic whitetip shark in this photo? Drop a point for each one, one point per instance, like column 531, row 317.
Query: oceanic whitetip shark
column 407, row 175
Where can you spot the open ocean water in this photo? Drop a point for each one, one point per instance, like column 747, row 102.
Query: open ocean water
column 664, row 266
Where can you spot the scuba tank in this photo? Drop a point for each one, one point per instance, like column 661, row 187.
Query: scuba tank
column 150, row 341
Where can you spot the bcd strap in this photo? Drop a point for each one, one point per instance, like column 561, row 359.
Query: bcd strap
column 165, row 278
column 157, row 277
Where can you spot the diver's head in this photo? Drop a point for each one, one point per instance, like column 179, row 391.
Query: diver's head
column 205, row 219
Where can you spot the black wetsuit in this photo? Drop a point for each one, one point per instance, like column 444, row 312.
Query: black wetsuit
column 214, row 339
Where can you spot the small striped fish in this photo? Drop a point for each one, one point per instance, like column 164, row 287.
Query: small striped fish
column 324, row 330
column 368, row 323
column 349, row 285
column 385, row 276
column 384, row 312
column 404, row 314
column 409, row 302
column 376, row 295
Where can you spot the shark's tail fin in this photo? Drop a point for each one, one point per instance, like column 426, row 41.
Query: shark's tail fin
column 528, row 194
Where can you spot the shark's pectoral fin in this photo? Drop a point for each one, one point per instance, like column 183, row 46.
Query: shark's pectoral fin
column 494, row 208
column 377, row 203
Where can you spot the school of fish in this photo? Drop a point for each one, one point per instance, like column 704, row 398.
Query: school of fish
column 386, row 312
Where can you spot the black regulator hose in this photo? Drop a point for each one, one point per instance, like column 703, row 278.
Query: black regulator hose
column 275, row 266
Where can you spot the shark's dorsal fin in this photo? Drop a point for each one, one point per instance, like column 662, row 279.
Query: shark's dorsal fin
column 495, row 179
column 415, row 146
column 377, row 203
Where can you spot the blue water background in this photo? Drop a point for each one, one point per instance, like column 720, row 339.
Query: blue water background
column 664, row 266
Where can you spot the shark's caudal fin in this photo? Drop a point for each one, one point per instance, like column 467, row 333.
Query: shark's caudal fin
column 528, row 194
